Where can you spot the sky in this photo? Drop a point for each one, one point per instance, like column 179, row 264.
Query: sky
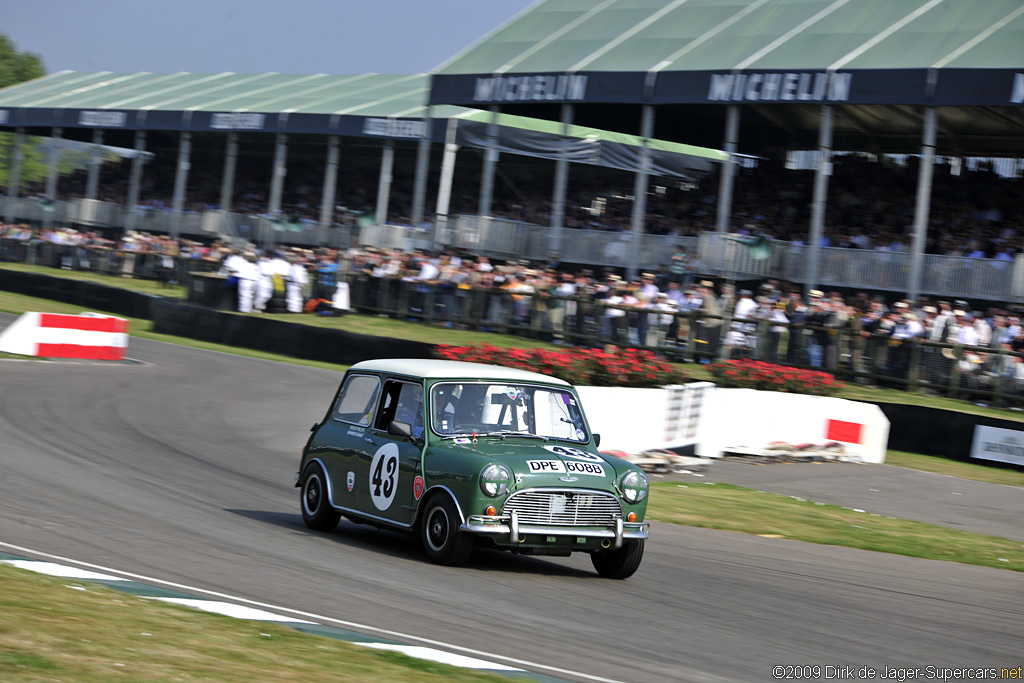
column 250, row 36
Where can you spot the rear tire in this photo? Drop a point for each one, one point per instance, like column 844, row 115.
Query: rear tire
column 621, row 563
column 317, row 512
column 442, row 539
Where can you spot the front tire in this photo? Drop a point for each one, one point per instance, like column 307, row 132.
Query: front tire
column 317, row 512
column 621, row 563
column 442, row 539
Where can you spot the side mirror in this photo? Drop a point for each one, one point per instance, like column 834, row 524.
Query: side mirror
column 597, row 440
column 396, row 428
column 315, row 425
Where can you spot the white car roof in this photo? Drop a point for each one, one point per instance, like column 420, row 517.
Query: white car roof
column 453, row 369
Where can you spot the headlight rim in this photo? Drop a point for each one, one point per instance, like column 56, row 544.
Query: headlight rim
column 634, row 493
column 499, row 479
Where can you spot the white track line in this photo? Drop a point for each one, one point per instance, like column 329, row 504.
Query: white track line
column 316, row 617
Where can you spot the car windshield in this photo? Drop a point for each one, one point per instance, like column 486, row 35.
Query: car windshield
column 502, row 409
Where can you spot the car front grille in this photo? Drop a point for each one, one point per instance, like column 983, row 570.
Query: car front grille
column 560, row 507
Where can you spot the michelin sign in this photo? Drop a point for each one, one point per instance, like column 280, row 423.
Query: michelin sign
column 780, row 86
column 530, row 88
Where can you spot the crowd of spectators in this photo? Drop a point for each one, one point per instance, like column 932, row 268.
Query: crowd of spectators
column 671, row 310
column 870, row 206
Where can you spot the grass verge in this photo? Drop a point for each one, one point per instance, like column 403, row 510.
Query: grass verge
column 49, row 632
column 990, row 474
column 734, row 508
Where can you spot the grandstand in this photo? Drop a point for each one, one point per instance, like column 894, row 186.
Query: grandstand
column 932, row 79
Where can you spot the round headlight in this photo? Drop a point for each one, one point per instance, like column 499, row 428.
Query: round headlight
column 494, row 480
column 634, row 487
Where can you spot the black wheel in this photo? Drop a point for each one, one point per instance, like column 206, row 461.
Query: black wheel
column 621, row 563
column 443, row 542
column 317, row 512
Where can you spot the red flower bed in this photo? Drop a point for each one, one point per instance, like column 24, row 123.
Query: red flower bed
column 752, row 374
column 622, row 368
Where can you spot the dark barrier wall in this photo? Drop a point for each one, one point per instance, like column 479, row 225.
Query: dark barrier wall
column 276, row 336
column 85, row 294
column 931, row 431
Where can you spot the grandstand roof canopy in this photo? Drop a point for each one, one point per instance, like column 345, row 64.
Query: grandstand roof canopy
column 881, row 59
column 373, row 105
column 366, row 104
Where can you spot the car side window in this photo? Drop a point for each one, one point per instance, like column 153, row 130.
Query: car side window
column 358, row 399
column 403, row 402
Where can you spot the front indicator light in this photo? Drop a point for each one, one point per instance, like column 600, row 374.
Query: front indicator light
column 491, row 511
column 631, row 517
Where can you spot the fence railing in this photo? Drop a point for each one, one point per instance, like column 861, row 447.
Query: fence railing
column 944, row 276
column 124, row 263
column 988, row 375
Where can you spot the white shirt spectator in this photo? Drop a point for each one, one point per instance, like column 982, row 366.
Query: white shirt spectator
column 428, row 271
column 967, row 335
column 745, row 308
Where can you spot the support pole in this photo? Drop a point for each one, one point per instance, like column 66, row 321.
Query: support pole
column 330, row 183
column 732, row 133
column 277, row 179
column 227, row 183
column 53, row 164
column 14, row 172
column 561, row 183
column 135, row 179
column 180, row 181
column 640, row 192
column 387, row 162
column 921, row 210
column 95, row 162
column 444, row 189
column 819, row 199
column 487, row 174
column 419, row 186
column 52, row 175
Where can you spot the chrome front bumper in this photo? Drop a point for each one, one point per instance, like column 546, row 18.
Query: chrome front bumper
column 508, row 525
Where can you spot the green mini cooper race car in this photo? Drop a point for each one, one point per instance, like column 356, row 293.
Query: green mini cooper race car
column 465, row 454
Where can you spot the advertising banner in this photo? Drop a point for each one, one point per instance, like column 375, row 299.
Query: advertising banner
column 995, row 443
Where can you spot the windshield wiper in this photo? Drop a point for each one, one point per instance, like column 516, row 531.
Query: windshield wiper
column 509, row 432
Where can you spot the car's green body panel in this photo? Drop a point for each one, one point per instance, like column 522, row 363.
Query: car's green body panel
column 385, row 493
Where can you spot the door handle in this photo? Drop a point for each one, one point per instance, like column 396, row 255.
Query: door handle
column 367, row 439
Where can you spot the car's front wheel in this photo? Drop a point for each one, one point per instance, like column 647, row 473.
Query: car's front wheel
column 317, row 512
column 443, row 541
column 621, row 563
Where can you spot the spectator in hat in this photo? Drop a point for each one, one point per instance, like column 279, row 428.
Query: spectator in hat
column 297, row 279
column 659, row 320
column 613, row 318
column 745, row 306
column 819, row 317
column 796, row 312
column 708, row 323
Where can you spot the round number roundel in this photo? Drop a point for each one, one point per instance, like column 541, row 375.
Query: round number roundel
column 384, row 476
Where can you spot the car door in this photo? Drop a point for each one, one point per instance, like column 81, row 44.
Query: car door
column 390, row 465
column 341, row 440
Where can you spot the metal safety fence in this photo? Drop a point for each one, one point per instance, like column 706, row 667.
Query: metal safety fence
column 987, row 374
column 116, row 262
column 993, row 375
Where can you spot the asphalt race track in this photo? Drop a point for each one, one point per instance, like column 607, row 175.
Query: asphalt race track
column 181, row 468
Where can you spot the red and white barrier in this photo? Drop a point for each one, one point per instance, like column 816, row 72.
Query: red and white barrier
column 53, row 335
